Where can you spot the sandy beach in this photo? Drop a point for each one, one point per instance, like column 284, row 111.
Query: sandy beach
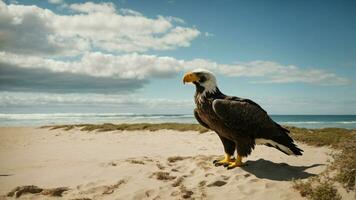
column 164, row 164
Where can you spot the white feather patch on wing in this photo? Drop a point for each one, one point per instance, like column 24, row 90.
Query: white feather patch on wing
column 275, row 144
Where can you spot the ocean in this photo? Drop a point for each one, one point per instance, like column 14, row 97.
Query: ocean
column 306, row 121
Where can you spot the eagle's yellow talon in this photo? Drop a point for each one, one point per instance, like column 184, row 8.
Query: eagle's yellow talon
column 226, row 161
column 238, row 163
column 233, row 165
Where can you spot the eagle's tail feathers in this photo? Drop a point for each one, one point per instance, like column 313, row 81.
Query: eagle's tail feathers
column 285, row 145
column 281, row 127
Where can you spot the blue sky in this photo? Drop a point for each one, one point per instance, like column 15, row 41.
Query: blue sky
column 129, row 56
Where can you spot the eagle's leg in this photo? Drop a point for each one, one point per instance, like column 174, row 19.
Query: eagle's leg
column 226, row 161
column 237, row 163
column 229, row 147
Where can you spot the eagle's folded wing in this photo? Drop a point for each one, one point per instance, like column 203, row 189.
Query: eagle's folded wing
column 243, row 115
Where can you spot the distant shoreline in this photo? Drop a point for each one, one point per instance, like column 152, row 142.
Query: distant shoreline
column 154, row 125
column 34, row 120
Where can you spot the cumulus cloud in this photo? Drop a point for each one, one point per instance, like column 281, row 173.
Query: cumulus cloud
column 38, row 31
column 96, row 64
column 271, row 72
column 27, row 30
column 90, row 7
column 145, row 67
column 44, row 51
column 14, row 78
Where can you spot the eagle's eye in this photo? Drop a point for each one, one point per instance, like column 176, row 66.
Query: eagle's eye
column 202, row 79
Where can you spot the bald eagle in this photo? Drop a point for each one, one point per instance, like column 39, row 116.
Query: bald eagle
column 240, row 123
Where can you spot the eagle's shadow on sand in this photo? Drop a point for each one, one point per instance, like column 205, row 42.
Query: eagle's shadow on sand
column 277, row 171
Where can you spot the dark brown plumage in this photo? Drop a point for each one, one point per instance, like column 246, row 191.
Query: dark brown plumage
column 240, row 123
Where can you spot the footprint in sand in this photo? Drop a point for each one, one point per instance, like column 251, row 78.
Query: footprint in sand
column 186, row 194
column 175, row 170
column 164, row 176
column 217, row 184
column 140, row 162
column 202, row 183
column 32, row 189
column 174, row 159
column 178, row 182
column 247, row 175
column 102, row 189
column 202, row 189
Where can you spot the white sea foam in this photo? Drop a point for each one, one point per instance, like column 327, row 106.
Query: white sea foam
column 76, row 115
column 319, row 122
column 35, row 119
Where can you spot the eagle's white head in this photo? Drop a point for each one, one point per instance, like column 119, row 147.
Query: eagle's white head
column 202, row 79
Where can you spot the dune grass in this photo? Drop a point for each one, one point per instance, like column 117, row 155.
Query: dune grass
column 334, row 137
column 317, row 189
column 345, row 164
column 343, row 140
column 342, row 169
column 133, row 127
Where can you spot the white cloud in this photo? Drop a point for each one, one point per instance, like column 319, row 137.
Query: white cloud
column 37, row 31
column 271, row 72
column 304, row 104
column 96, row 64
column 56, row 1
column 33, row 37
column 28, row 99
column 27, row 30
column 126, row 11
column 143, row 67
column 175, row 19
column 90, row 7
column 129, row 103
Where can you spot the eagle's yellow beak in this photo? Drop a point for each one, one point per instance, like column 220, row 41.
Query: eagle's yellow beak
column 190, row 77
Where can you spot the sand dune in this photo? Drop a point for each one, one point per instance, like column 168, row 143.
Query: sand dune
column 143, row 165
